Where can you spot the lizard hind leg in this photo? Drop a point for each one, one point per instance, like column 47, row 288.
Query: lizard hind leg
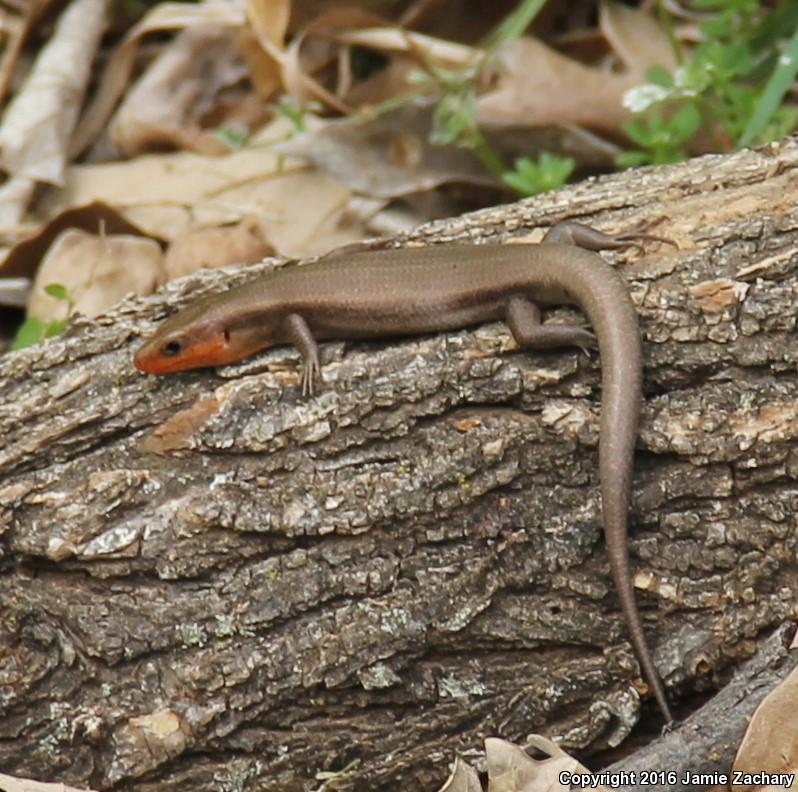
column 581, row 235
column 523, row 319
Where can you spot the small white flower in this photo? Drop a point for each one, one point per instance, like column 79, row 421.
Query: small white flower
column 641, row 97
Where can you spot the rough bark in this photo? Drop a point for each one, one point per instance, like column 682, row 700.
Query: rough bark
column 208, row 582
column 707, row 741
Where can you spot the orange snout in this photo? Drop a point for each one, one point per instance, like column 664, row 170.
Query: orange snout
column 211, row 352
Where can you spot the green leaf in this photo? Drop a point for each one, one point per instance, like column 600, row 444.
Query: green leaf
column 54, row 327
column 30, row 332
column 632, row 159
column 515, row 23
column 659, row 75
column 717, row 28
column 685, row 122
column 417, row 77
column 454, row 118
column 232, row 136
column 57, row 290
column 638, row 132
column 777, row 86
column 531, row 177
column 290, row 109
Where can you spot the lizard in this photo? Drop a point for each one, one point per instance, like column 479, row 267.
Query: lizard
column 400, row 292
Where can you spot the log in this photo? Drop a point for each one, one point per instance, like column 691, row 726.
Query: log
column 209, row 581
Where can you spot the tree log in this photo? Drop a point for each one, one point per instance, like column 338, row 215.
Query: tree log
column 209, row 582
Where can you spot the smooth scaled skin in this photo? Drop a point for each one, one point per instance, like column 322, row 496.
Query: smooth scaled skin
column 433, row 289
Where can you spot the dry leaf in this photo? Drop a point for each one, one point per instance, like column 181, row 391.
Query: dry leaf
column 385, row 85
column 427, row 49
column 296, row 71
column 24, row 256
column 115, row 77
column 10, row 784
column 167, row 105
column 182, row 181
column 15, row 195
column 637, row 38
column 16, row 31
column 463, row 779
column 299, row 212
column 770, row 745
column 386, row 156
column 243, row 243
column 539, row 86
column 268, row 21
column 96, row 271
column 511, row 769
column 34, row 137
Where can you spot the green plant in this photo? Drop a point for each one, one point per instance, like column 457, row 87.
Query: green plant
column 531, row 177
column 661, row 139
column 231, row 135
column 295, row 113
column 454, row 121
column 33, row 330
column 731, row 86
column 454, row 118
column 515, row 23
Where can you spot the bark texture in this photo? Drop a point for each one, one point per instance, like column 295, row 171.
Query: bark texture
column 208, row 582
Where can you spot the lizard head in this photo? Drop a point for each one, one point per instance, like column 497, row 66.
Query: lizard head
column 199, row 337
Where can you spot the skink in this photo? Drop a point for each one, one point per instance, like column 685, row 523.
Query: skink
column 433, row 289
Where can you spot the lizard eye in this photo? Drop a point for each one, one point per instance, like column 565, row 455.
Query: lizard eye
column 171, row 348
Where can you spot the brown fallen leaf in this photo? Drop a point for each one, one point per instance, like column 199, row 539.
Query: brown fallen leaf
column 168, row 106
column 426, row 49
column 300, row 212
column 511, row 769
column 267, row 22
column 770, row 745
column 96, row 272
column 23, row 256
column 11, row 784
column 386, row 156
column 18, row 21
column 463, row 779
column 636, row 37
column 297, row 69
column 539, row 86
column 242, row 243
column 34, row 136
column 116, row 75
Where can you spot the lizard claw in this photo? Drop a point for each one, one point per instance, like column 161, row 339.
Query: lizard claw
column 585, row 340
column 634, row 236
column 311, row 371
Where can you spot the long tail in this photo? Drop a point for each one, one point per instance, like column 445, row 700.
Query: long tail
column 607, row 303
